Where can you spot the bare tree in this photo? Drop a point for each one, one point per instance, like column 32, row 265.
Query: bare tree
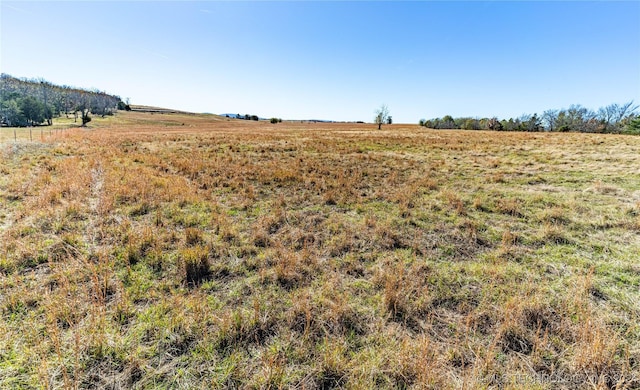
column 103, row 104
column 577, row 118
column 83, row 106
column 549, row 119
column 613, row 114
column 54, row 100
column 382, row 115
column 626, row 110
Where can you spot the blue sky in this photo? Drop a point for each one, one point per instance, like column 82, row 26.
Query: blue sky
column 333, row 60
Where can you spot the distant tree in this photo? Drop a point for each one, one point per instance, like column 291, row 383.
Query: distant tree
column 422, row 122
column 101, row 104
column 494, row 124
column 10, row 113
column 549, row 119
column 382, row 116
column 49, row 112
column 606, row 116
column 633, row 127
column 83, row 106
column 68, row 105
column 47, row 89
column 389, row 120
column 511, row 124
column 53, row 100
column 247, row 117
column 530, row 123
column 581, row 119
column 469, row 124
column 32, row 110
column 254, row 117
column 447, row 122
column 576, row 118
column 612, row 116
column 275, row 120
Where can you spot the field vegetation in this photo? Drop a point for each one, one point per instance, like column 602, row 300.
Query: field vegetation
column 193, row 251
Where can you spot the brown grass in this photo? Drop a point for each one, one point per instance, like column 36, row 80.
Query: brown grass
column 173, row 250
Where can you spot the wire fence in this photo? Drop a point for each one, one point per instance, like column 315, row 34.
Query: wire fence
column 31, row 134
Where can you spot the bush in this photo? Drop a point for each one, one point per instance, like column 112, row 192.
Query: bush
column 633, row 127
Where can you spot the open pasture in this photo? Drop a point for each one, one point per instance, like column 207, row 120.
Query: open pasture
column 193, row 251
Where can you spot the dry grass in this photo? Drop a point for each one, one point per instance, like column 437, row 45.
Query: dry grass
column 188, row 251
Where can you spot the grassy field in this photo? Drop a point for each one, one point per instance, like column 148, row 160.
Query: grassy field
column 181, row 251
column 42, row 133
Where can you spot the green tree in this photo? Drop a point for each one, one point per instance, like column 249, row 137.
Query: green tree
column 531, row 123
column 122, row 106
column 470, row 124
column 33, row 110
column 633, row 127
column 447, row 122
column 10, row 113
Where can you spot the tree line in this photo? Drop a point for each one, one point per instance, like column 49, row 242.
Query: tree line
column 33, row 102
column 252, row 117
column 245, row 117
column 614, row 118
